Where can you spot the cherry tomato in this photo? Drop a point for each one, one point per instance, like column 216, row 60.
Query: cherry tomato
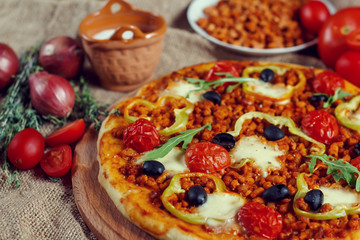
column 57, row 161
column 260, row 220
column 313, row 15
column 356, row 162
column 67, row 134
column 26, row 149
column 141, row 135
column 348, row 66
column 9, row 65
column 327, row 82
column 207, row 157
column 353, row 39
column 332, row 36
column 320, row 125
column 219, row 67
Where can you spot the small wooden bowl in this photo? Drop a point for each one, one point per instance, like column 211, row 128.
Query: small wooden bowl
column 123, row 44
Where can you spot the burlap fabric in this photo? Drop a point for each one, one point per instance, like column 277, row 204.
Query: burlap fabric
column 41, row 208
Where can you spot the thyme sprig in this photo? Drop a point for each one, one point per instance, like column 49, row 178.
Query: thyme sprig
column 17, row 113
column 338, row 94
column 338, row 168
column 204, row 84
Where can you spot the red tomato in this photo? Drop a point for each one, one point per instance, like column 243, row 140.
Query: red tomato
column 356, row 162
column 320, row 125
column 141, row 135
column 26, row 149
column 353, row 39
column 313, row 15
column 67, row 134
column 57, row 161
column 260, row 220
column 207, row 157
column 348, row 66
column 332, row 36
column 219, row 67
column 327, row 82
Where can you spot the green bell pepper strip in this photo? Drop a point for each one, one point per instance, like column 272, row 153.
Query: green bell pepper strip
column 337, row 212
column 175, row 187
column 343, row 113
column 181, row 115
column 248, row 87
column 281, row 121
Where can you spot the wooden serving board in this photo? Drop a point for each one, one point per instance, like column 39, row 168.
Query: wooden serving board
column 94, row 204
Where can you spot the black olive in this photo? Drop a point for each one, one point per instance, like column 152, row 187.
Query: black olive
column 225, row 140
column 212, row 96
column 276, row 193
column 267, row 75
column 153, row 168
column 273, row 133
column 315, row 199
column 357, row 149
column 315, row 99
column 196, row 195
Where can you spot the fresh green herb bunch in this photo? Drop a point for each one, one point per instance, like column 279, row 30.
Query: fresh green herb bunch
column 17, row 113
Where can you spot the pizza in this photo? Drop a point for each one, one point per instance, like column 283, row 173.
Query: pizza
column 237, row 150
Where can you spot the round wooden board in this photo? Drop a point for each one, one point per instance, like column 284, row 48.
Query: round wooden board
column 94, row 204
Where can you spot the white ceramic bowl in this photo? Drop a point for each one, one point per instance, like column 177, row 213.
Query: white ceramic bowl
column 196, row 11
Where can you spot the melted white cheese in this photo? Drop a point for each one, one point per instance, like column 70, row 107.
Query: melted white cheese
column 265, row 156
column 339, row 196
column 173, row 161
column 184, row 89
column 220, row 206
column 268, row 89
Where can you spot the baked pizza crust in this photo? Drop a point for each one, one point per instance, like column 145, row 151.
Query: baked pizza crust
column 134, row 202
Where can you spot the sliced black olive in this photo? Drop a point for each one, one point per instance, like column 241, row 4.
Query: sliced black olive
column 276, row 193
column 273, row 133
column 196, row 195
column 267, row 75
column 315, row 199
column 315, row 99
column 153, row 168
column 357, row 149
column 225, row 140
column 212, row 96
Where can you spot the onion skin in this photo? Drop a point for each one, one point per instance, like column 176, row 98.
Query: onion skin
column 51, row 94
column 62, row 56
column 9, row 65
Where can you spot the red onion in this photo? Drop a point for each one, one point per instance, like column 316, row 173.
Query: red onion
column 9, row 65
column 62, row 56
column 51, row 94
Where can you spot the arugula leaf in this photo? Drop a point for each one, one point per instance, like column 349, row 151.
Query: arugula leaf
column 339, row 94
column 185, row 136
column 338, row 168
column 204, row 84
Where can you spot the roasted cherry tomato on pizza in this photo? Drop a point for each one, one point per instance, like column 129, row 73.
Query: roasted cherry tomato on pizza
column 26, row 149
column 332, row 39
column 207, row 157
column 327, row 82
column 57, row 161
column 313, row 15
column 348, row 66
column 260, row 220
column 320, row 125
column 141, row 135
column 67, row 134
column 221, row 67
column 356, row 162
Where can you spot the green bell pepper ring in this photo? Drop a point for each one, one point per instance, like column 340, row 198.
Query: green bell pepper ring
column 181, row 115
column 337, row 212
column 249, row 87
column 175, row 187
column 318, row 149
column 344, row 113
